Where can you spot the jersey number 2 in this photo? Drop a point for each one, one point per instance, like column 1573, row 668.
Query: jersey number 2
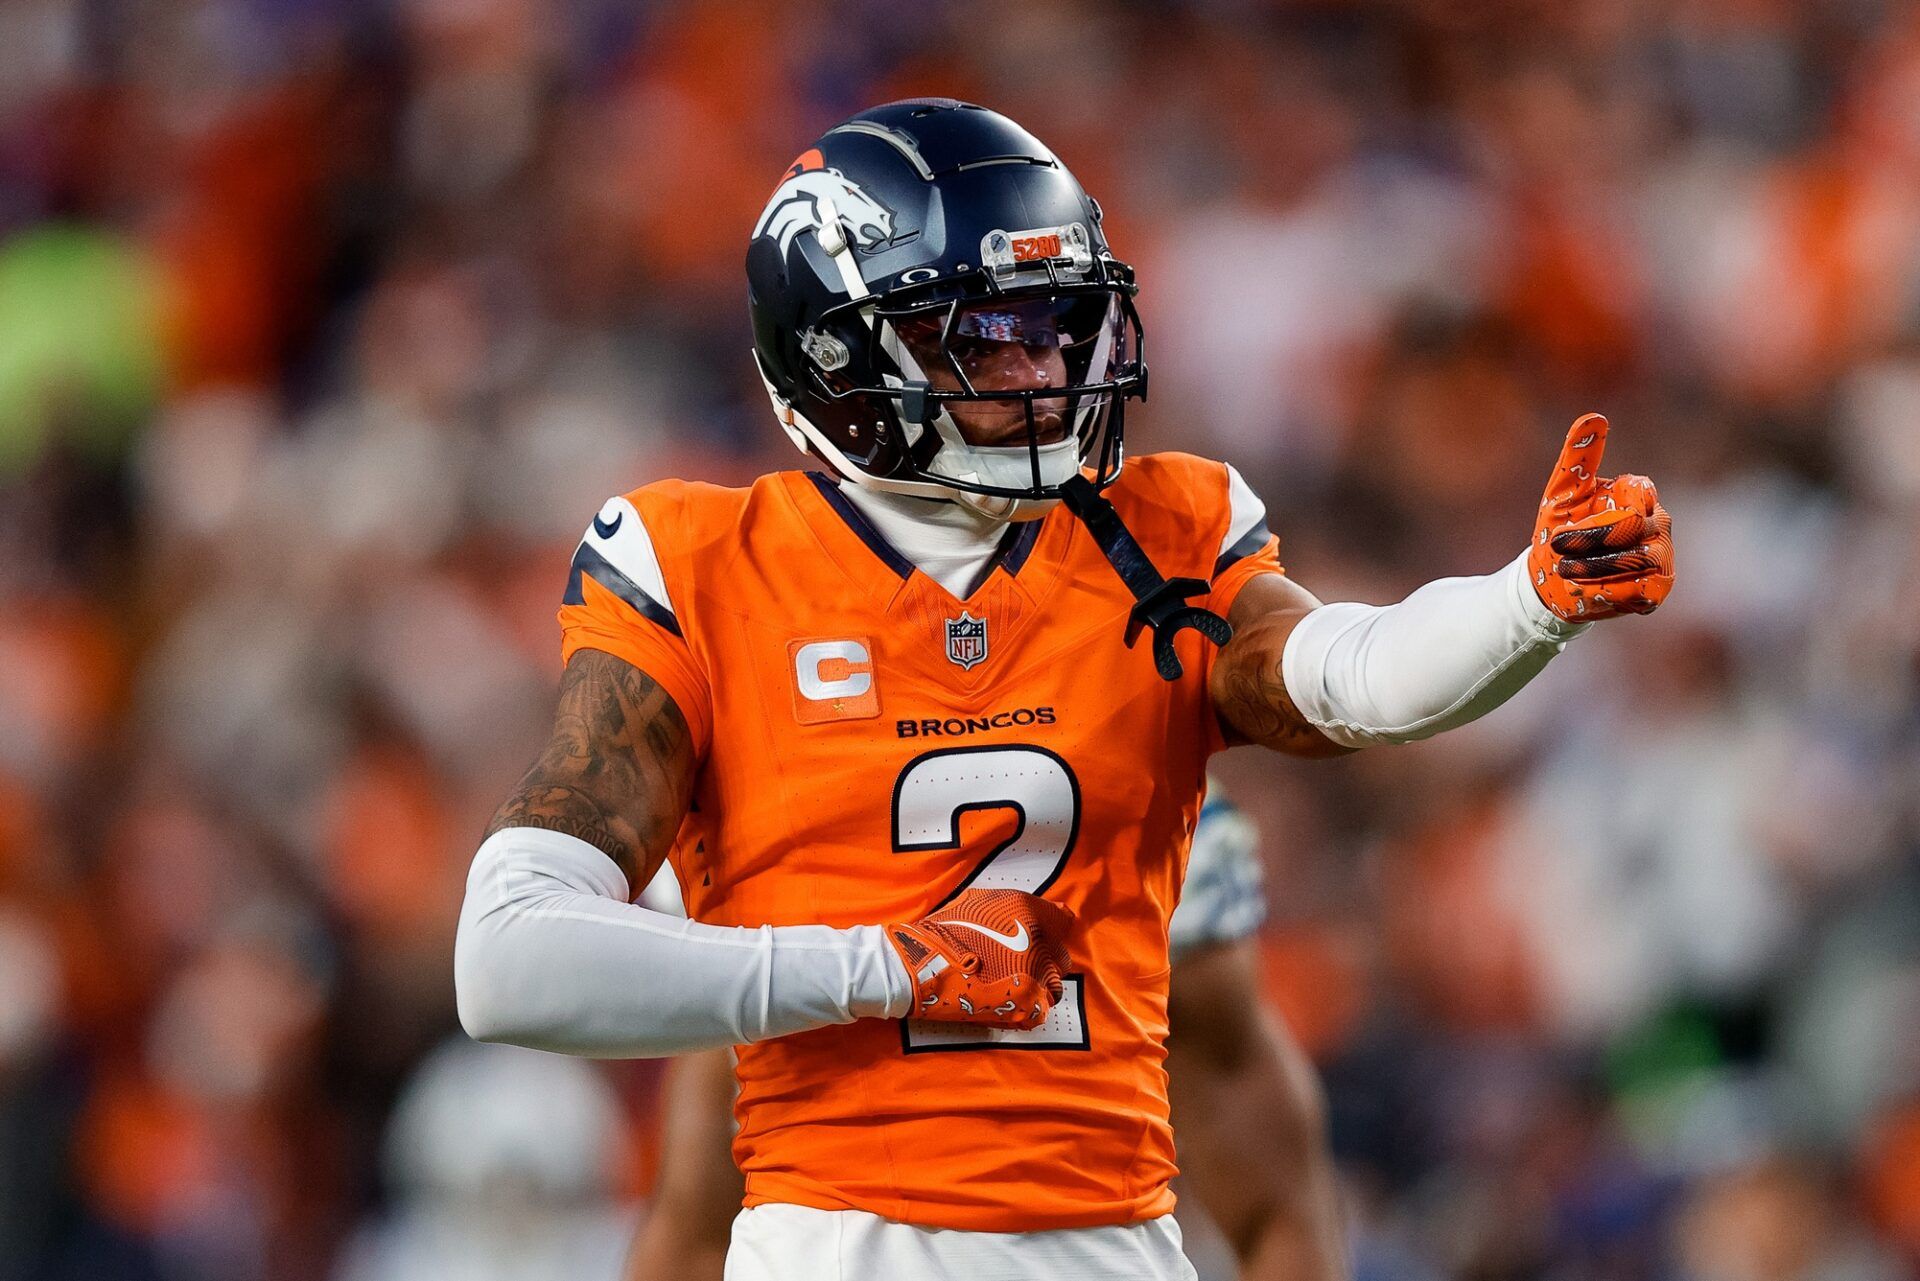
column 929, row 797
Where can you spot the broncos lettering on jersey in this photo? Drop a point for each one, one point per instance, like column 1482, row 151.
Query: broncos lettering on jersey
column 869, row 745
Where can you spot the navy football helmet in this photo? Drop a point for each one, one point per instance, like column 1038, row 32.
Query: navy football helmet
column 936, row 311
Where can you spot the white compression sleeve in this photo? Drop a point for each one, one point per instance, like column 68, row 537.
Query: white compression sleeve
column 551, row 955
column 1448, row 654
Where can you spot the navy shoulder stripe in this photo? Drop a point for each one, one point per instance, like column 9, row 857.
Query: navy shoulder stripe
column 588, row 562
column 1250, row 542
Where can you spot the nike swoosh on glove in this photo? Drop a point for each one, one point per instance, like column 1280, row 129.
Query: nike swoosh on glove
column 1601, row 547
column 990, row 956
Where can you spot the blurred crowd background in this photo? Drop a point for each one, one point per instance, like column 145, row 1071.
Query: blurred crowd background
column 325, row 326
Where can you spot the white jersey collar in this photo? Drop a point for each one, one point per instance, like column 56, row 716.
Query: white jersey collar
column 951, row 544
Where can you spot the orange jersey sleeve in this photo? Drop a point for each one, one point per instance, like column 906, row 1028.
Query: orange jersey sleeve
column 1198, row 519
column 619, row 600
column 1247, row 548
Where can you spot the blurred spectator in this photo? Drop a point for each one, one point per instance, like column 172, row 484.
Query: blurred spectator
column 500, row 1162
column 1772, row 1221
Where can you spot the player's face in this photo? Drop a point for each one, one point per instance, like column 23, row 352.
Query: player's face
column 1011, row 345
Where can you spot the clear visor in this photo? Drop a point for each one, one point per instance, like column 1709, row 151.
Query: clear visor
column 993, row 354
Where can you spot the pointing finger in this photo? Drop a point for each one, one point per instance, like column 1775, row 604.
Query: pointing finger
column 1578, row 469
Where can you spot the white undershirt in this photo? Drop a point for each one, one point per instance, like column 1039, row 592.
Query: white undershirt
column 948, row 543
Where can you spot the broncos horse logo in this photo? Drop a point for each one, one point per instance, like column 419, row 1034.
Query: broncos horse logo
column 795, row 206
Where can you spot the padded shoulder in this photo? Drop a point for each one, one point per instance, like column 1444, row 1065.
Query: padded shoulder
column 705, row 534
column 702, row 530
column 686, row 516
column 1179, row 507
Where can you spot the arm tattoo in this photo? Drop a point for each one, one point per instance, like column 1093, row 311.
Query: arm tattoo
column 1250, row 692
column 618, row 771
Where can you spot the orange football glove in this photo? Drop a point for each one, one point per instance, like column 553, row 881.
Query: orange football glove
column 1601, row 547
column 990, row 956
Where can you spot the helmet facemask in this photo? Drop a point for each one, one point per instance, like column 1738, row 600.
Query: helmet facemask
column 997, row 395
column 1001, row 398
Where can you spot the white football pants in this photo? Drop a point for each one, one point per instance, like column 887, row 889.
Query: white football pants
column 796, row 1243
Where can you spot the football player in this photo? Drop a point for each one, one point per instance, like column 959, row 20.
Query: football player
column 928, row 798
column 1247, row 1103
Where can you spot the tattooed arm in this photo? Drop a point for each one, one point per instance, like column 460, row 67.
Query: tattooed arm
column 1248, row 687
column 617, row 772
column 550, row 952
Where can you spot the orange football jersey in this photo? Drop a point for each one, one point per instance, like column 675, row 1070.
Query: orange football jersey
column 868, row 746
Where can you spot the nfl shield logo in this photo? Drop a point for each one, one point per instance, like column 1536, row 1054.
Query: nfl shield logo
column 966, row 640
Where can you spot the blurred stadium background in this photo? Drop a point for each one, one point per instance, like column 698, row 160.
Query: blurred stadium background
column 326, row 324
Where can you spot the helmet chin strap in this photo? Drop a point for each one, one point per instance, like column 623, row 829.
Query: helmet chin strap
column 1159, row 603
column 1006, row 466
column 833, row 238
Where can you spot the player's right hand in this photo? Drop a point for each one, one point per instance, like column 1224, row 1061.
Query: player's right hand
column 990, row 956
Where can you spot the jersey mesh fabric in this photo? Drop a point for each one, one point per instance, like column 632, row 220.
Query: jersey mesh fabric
column 1010, row 740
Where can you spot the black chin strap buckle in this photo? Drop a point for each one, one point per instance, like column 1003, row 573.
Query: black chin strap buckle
column 1166, row 611
column 1159, row 603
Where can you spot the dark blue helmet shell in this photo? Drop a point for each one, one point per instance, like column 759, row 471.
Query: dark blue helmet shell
column 937, row 202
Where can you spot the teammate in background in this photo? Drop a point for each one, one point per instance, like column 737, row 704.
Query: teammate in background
column 926, row 745
column 1247, row 1104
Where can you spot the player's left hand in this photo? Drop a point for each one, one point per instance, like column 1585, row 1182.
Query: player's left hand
column 1601, row 547
column 990, row 956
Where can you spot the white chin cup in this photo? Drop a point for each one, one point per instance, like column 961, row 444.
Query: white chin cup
column 1011, row 467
